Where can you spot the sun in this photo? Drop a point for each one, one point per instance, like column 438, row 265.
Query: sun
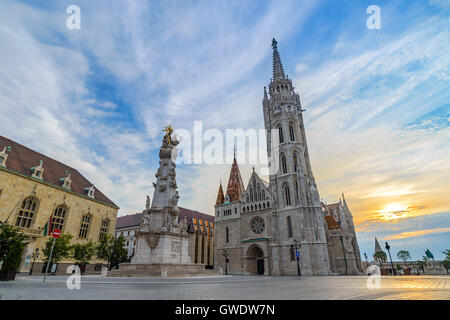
column 394, row 211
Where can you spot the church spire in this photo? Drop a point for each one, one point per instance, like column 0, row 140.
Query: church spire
column 278, row 72
column 377, row 246
column 235, row 188
column 220, row 196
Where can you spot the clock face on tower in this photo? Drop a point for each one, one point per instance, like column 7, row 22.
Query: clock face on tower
column 257, row 225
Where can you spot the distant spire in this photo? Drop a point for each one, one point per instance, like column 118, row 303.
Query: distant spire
column 278, row 71
column 265, row 95
column 377, row 246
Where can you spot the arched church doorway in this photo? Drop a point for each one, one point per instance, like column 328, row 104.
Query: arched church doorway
column 255, row 260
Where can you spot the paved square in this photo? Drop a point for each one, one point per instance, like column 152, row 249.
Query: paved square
column 229, row 288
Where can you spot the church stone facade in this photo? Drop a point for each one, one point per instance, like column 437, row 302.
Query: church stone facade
column 261, row 229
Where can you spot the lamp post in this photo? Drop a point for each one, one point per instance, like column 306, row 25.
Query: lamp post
column 367, row 261
column 34, row 256
column 225, row 255
column 297, row 256
column 392, row 264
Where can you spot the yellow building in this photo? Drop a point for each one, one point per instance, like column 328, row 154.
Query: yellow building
column 39, row 194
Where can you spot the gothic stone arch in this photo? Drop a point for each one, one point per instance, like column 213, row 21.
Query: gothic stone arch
column 255, row 260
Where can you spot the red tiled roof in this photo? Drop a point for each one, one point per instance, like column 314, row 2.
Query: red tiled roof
column 133, row 220
column 220, row 196
column 21, row 159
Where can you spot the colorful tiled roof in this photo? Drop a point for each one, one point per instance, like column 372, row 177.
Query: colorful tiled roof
column 21, row 159
column 235, row 187
column 331, row 223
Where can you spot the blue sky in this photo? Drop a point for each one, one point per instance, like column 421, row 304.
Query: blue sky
column 377, row 101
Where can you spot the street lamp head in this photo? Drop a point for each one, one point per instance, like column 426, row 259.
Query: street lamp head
column 387, row 246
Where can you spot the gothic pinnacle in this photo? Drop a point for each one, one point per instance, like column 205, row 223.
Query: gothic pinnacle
column 278, row 71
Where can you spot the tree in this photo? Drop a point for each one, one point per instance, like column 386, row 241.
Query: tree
column 61, row 250
column 82, row 254
column 8, row 236
column 112, row 250
column 11, row 247
column 380, row 255
column 423, row 263
column 399, row 267
column 447, row 254
column 404, row 255
column 446, row 262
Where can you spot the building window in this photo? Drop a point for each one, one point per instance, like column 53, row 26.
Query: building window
column 26, row 212
column 104, row 228
column 291, row 133
column 227, row 235
column 289, row 225
column 58, row 217
column 287, row 195
column 295, row 157
column 37, row 172
column 292, row 251
column 283, row 163
column 280, row 134
column 84, row 228
column 90, row 191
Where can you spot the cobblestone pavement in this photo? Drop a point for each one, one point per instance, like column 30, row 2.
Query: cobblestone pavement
column 229, row 288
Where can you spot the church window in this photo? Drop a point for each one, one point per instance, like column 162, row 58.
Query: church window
column 104, row 228
column 287, row 195
column 259, row 206
column 235, row 210
column 26, row 212
column 58, row 217
column 84, row 227
column 264, row 205
column 251, row 194
column 251, row 207
column 289, row 225
column 227, row 235
column 283, row 163
column 296, row 191
column 243, row 209
column 257, row 225
column 291, row 132
column 295, row 157
column 263, row 195
column 280, row 133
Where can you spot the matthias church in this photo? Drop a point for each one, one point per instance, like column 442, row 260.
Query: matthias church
column 281, row 227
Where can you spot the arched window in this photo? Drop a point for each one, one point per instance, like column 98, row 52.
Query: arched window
column 287, row 195
column 104, row 228
column 280, row 133
column 227, row 235
column 84, row 227
column 296, row 191
column 289, row 225
column 250, row 190
column 295, row 158
column 283, row 163
column 26, row 212
column 291, row 132
column 58, row 217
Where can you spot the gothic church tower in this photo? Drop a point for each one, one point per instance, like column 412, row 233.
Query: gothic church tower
column 298, row 214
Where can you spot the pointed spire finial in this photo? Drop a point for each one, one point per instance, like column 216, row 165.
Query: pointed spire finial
column 274, row 43
column 278, row 71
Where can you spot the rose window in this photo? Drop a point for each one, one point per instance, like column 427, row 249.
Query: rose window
column 257, row 225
